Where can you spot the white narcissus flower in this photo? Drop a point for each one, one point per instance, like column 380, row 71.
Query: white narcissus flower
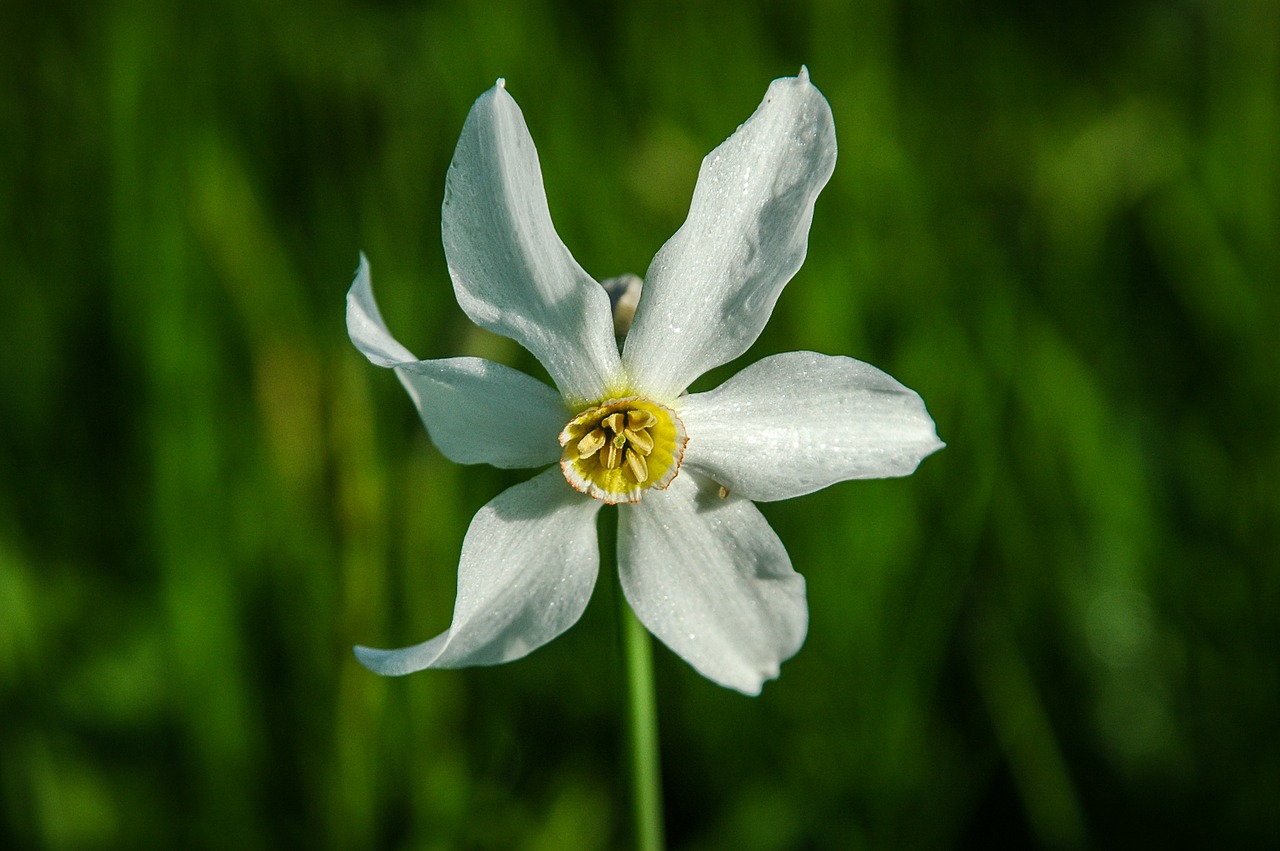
column 698, row 563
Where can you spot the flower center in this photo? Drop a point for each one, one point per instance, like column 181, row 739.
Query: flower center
column 619, row 448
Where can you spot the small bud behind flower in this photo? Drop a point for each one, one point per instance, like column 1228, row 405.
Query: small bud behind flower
column 624, row 295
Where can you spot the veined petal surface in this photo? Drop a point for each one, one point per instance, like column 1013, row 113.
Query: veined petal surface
column 529, row 563
column 712, row 287
column 476, row 411
column 709, row 577
column 794, row 423
column 511, row 273
column 481, row 412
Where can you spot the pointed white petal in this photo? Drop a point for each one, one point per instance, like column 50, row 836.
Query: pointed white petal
column 510, row 271
column 794, row 423
column 529, row 562
column 477, row 411
column 712, row 287
column 709, row 577
column 365, row 325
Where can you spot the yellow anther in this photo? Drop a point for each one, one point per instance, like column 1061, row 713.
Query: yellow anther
column 591, row 444
column 611, row 456
column 638, row 419
column 641, row 441
column 637, row 467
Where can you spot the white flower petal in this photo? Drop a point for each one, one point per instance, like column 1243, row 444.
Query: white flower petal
column 529, row 563
column 794, row 423
column 365, row 325
column 477, row 411
column 510, row 271
column 709, row 577
column 711, row 289
column 481, row 412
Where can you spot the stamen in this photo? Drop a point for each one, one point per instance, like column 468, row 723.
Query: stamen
column 638, row 419
column 614, row 422
column 641, row 441
column 611, row 456
column 591, row 444
column 637, row 467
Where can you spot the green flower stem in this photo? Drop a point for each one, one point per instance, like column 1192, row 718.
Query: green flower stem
column 642, row 730
column 642, row 709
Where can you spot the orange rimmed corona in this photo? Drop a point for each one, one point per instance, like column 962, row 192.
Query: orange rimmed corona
column 617, row 450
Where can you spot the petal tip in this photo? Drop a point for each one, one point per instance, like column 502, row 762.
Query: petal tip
column 501, row 83
column 361, row 278
column 374, row 660
column 365, row 326
column 938, row 442
column 803, row 76
column 935, row 445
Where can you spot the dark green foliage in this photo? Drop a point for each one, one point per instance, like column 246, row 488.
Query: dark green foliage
column 1063, row 230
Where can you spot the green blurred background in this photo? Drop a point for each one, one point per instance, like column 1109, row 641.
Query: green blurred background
column 1057, row 222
